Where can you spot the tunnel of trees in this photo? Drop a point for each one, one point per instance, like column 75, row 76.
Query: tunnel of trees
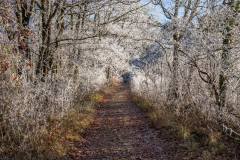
column 55, row 53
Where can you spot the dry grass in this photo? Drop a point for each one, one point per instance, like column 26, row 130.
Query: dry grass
column 191, row 128
column 97, row 97
column 159, row 117
column 67, row 129
column 52, row 141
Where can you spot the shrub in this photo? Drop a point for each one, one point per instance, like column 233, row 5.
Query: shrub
column 37, row 125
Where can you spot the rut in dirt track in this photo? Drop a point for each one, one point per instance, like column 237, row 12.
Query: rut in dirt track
column 120, row 132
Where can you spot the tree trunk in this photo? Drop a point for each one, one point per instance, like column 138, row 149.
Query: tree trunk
column 174, row 84
column 109, row 75
column 225, row 64
column 45, row 61
column 23, row 14
column 186, row 86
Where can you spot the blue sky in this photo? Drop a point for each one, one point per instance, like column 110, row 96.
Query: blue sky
column 155, row 11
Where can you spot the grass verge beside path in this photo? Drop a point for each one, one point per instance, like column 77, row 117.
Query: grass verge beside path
column 191, row 141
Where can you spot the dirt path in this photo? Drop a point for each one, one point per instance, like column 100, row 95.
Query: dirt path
column 120, row 132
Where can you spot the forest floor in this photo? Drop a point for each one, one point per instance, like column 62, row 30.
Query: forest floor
column 121, row 131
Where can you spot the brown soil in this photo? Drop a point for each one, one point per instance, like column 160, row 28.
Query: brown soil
column 121, row 131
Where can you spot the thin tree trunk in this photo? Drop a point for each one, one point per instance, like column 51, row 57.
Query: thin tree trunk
column 174, row 84
column 45, row 61
column 225, row 64
column 23, row 14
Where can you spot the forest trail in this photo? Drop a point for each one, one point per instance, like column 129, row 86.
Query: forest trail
column 120, row 132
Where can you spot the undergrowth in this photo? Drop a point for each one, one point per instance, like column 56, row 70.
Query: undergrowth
column 196, row 133
column 53, row 141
